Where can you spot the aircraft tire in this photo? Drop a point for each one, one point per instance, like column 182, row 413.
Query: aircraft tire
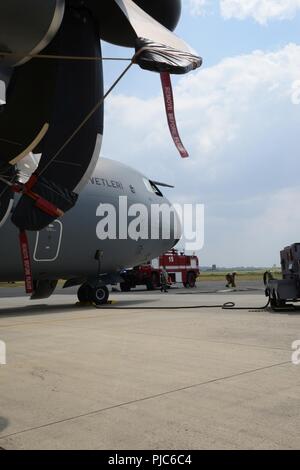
column 99, row 295
column 83, row 293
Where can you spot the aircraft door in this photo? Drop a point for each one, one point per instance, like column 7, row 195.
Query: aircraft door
column 48, row 241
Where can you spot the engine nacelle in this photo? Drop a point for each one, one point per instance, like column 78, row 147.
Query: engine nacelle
column 114, row 27
column 27, row 27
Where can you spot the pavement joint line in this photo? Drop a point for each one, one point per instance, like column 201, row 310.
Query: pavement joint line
column 140, row 400
column 257, row 346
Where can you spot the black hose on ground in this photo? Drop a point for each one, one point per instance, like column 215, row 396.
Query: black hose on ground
column 225, row 306
column 231, row 306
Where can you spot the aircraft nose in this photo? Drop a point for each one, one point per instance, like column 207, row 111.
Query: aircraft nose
column 176, row 229
column 170, row 226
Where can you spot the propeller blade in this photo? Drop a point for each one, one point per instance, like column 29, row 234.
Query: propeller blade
column 158, row 49
column 61, row 93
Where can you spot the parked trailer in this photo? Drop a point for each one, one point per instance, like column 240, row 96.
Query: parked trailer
column 181, row 268
column 287, row 289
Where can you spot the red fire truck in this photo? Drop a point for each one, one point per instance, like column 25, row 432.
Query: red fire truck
column 182, row 269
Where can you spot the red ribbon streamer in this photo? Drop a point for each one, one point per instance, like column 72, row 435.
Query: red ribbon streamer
column 24, row 246
column 170, row 110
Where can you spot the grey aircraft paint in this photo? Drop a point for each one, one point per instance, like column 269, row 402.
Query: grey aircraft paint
column 66, row 248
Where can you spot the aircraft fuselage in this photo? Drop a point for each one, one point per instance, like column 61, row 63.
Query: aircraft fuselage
column 66, row 249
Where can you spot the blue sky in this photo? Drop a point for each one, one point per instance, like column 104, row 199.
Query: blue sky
column 237, row 118
column 216, row 38
column 213, row 37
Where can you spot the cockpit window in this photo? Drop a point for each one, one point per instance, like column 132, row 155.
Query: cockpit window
column 155, row 189
column 152, row 187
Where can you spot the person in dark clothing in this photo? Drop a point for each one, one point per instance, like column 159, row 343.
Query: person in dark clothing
column 230, row 280
column 164, row 277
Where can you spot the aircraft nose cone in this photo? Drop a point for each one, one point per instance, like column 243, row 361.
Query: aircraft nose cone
column 176, row 229
column 170, row 226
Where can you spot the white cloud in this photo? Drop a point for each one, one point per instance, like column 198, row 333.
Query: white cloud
column 198, row 7
column 261, row 10
column 242, row 130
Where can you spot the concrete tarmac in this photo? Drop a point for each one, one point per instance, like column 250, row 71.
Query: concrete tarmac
column 155, row 378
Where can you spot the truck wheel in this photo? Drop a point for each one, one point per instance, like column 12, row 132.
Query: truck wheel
column 273, row 301
column 276, row 301
column 192, row 280
column 149, row 285
column 125, row 287
column 99, row 295
column 153, row 283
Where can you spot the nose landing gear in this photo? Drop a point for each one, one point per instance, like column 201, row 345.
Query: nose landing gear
column 95, row 293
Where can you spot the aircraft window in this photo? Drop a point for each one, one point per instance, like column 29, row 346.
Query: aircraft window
column 148, row 185
column 155, row 189
column 152, row 187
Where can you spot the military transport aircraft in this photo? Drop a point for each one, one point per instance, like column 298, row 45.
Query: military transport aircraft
column 51, row 90
column 52, row 104
column 78, row 247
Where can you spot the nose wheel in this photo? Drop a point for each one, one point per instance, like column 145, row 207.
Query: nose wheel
column 97, row 294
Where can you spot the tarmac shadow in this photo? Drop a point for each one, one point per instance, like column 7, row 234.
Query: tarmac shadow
column 41, row 309
column 128, row 303
column 4, row 422
column 294, row 310
column 46, row 309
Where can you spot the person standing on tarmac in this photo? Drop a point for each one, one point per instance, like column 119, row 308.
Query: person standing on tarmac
column 164, row 277
column 230, row 280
